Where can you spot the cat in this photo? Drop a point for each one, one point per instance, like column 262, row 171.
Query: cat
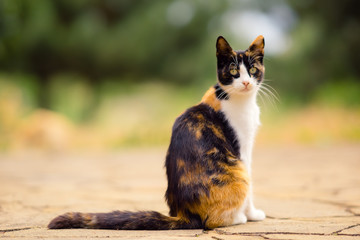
column 208, row 162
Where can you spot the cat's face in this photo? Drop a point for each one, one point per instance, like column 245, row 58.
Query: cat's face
column 240, row 72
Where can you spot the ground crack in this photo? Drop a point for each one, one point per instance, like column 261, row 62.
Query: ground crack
column 264, row 237
column 349, row 210
column 339, row 231
column 261, row 234
column 334, row 203
column 222, row 232
column 202, row 233
column 14, row 229
column 217, row 238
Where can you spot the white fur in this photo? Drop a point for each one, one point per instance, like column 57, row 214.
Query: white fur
column 243, row 114
column 239, row 218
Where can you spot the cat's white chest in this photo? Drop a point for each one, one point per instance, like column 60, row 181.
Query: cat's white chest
column 244, row 118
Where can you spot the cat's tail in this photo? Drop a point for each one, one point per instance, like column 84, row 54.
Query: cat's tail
column 123, row 220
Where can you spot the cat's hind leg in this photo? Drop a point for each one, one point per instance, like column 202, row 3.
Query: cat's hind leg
column 239, row 218
column 254, row 214
column 251, row 212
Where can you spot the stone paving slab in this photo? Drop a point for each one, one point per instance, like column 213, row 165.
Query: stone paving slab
column 317, row 226
column 84, row 233
column 307, row 193
column 307, row 237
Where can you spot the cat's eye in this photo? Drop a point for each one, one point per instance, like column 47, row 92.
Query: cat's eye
column 253, row 70
column 233, row 71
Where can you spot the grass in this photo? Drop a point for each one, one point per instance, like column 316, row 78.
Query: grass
column 142, row 115
column 312, row 124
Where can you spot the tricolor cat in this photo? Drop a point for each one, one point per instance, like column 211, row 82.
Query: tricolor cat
column 208, row 163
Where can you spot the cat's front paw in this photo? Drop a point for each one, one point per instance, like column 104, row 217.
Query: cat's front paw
column 240, row 218
column 255, row 215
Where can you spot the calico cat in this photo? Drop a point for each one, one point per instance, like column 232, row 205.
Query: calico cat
column 208, row 163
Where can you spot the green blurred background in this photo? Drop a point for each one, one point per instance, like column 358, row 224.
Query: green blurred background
column 88, row 74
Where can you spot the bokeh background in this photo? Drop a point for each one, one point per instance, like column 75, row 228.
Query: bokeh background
column 109, row 74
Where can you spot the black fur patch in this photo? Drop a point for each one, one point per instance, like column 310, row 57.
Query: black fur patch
column 123, row 220
column 234, row 59
column 220, row 93
column 196, row 153
column 217, row 181
column 67, row 220
column 149, row 220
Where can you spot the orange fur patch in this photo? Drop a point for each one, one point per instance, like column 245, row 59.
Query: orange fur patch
column 212, row 151
column 218, row 208
column 194, row 175
column 200, row 117
column 196, row 129
column 88, row 219
column 210, row 99
column 217, row 131
column 180, row 163
column 258, row 44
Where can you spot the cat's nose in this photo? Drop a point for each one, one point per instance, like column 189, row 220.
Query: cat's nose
column 245, row 83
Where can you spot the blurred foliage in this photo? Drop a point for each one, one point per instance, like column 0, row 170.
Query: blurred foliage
column 103, row 39
column 136, row 41
column 325, row 51
column 128, row 68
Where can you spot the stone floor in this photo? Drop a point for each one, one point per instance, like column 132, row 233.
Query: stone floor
column 307, row 193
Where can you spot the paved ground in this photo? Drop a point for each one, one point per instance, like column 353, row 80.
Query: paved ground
column 307, row 193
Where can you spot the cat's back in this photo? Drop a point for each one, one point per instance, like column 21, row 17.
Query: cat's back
column 203, row 155
column 202, row 143
column 200, row 129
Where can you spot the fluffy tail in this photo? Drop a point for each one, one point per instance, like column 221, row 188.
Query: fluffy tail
column 119, row 220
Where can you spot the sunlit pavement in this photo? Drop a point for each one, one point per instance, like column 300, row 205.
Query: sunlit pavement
column 307, row 192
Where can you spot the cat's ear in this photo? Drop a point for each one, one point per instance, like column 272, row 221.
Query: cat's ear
column 223, row 47
column 257, row 46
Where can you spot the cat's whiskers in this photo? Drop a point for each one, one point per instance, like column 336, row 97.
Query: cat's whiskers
column 261, row 98
column 219, row 89
column 235, row 60
column 271, row 90
column 234, row 90
column 267, row 97
column 268, row 80
column 268, row 92
column 265, row 90
column 221, row 94
column 231, row 90
column 252, row 58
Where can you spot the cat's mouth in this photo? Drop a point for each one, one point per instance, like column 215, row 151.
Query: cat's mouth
column 243, row 87
column 246, row 89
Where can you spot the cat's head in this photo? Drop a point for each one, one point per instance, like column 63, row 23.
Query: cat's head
column 240, row 72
